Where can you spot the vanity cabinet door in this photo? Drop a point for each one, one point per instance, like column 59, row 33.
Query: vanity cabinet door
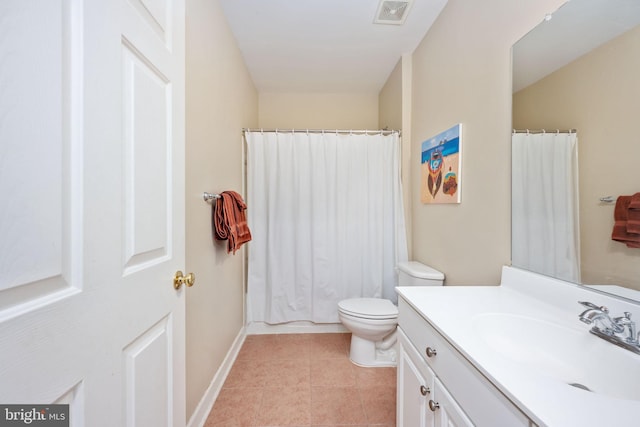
column 446, row 410
column 415, row 388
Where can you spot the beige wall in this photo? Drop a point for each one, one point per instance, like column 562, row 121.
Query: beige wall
column 318, row 110
column 221, row 100
column 461, row 74
column 394, row 112
column 599, row 95
column 390, row 100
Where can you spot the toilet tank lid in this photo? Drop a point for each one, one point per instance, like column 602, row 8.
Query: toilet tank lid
column 420, row 271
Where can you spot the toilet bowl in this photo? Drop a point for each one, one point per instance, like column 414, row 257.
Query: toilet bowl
column 373, row 321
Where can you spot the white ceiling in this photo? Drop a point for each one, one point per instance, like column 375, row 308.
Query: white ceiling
column 329, row 46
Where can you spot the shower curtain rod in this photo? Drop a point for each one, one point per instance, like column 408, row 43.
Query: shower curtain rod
column 344, row 131
column 545, row 131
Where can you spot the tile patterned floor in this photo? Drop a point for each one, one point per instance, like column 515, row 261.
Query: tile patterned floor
column 303, row 380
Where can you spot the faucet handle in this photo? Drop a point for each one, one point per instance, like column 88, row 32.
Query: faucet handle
column 626, row 318
column 595, row 307
column 588, row 304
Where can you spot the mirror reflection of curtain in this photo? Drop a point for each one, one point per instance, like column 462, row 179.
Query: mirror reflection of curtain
column 326, row 215
column 545, row 221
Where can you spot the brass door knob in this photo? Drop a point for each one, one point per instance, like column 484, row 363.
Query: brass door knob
column 179, row 279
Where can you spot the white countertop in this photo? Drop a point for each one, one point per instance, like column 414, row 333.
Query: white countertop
column 544, row 398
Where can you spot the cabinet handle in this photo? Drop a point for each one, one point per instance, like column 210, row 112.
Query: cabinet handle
column 433, row 405
column 424, row 390
column 431, row 352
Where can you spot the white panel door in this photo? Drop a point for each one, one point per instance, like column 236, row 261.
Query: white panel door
column 448, row 412
column 92, row 221
column 415, row 386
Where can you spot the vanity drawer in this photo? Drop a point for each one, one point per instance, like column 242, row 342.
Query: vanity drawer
column 480, row 399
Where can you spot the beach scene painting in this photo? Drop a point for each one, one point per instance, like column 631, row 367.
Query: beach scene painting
column 441, row 166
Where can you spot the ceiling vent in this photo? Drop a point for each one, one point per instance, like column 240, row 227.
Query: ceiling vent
column 392, row 12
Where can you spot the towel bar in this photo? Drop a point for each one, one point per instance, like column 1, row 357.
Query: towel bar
column 210, row 196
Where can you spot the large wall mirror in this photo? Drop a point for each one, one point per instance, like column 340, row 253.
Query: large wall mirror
column 580, row 69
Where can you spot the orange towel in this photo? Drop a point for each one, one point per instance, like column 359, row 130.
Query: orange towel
column 229, row 220
column 633, row 215
column 620, row 216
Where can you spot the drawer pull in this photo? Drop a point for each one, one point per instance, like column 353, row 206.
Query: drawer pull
column 433, row 405
column 431, row 352
column 424, row 390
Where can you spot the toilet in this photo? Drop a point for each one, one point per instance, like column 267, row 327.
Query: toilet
column 372, row 321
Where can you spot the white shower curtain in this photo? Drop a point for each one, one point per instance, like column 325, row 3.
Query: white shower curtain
column 545, row 221
column 325, row 211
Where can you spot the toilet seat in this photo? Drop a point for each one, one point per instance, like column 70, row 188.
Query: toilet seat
column 369, row 308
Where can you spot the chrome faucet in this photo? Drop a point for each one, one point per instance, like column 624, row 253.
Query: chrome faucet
column 609, row 328
column 599, row 315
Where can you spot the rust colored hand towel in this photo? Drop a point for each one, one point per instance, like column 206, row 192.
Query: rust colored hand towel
column 633, row 215
column 620, row 216
column 229, row 220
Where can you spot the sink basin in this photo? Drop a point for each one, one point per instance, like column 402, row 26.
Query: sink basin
column 572, row 356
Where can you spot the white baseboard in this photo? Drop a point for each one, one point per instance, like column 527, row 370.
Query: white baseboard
column 258, row 328
column 201, row 412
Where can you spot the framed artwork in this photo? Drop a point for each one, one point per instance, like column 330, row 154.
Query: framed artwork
column 441, row 167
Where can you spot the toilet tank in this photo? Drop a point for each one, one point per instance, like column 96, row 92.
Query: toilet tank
column 413, row 273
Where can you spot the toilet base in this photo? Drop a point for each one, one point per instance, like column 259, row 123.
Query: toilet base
column 368, row 353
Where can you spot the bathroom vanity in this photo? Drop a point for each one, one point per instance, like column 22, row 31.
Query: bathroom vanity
column 511, row 355
column 424, row 399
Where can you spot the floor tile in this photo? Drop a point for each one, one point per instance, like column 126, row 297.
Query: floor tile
column 367, row 377
column 284, row 406
column 326, row 346
column 336, row 405
column 286, row 373
column 235, row 407
column 293, row 346
column 257, row 347
column 293, row 338
column 303, row 380
column 246, row 373
column 379, row 404
column 333, row 372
